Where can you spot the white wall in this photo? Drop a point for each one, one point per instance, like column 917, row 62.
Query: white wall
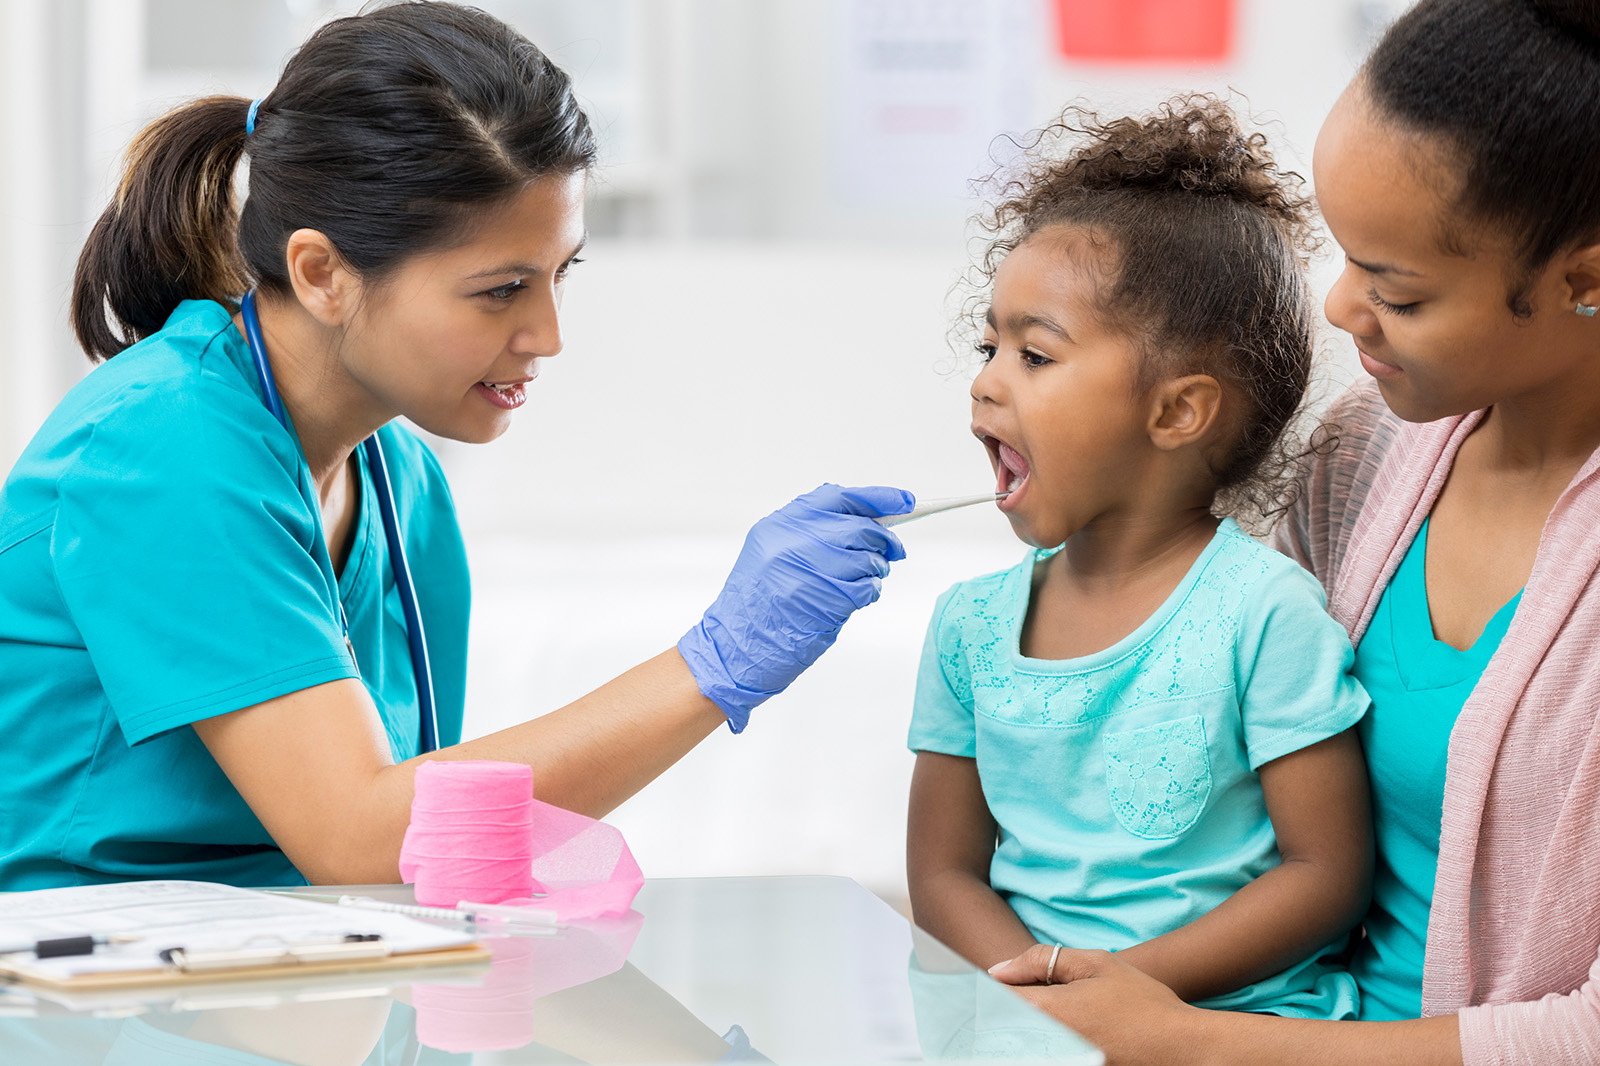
column 605, row 520
column 39, row 90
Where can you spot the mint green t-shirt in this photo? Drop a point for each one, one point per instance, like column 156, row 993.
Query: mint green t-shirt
column 162, row 561
column 1418, row 687
column 1125, row 782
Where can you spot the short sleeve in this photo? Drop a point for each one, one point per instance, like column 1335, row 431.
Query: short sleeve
column 187, row 553
column 1293, row 667
column 941, row 718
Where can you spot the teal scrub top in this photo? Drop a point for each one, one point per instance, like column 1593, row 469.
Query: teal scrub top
column 1418, row 687
column 1125, row 783
column 162, row 561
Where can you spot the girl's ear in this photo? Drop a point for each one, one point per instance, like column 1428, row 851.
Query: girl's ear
column 1183, row 410
column 327, row 288
column 1583, row 275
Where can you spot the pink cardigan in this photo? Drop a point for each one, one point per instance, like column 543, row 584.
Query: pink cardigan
column 1514, row 935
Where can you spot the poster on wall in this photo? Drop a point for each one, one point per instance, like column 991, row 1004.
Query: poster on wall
column 1145, row 31
column 924, row 91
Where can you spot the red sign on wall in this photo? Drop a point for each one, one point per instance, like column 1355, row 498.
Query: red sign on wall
column 1144, row 31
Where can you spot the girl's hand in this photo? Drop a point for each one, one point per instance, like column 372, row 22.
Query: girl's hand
column 804, row 570
column 1129, row 1015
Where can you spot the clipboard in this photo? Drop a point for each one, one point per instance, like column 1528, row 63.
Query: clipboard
column 275, row 989
column 193, row 931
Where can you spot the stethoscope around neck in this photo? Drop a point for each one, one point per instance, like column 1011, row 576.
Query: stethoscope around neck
column 391, row 529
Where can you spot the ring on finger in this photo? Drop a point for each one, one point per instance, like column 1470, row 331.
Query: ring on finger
column 1050, row 971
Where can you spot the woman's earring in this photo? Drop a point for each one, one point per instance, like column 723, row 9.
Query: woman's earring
column 1587, row 310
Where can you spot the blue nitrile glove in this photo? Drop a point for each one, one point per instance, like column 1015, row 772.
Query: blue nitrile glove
column 803, row 570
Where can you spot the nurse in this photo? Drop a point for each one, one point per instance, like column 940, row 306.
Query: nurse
column 214, row 661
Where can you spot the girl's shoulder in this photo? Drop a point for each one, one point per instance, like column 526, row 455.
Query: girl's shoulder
column 1239, row 581
column 990, row 598
column 1249, row 559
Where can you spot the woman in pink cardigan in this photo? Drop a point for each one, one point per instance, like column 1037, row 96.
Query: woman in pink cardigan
column 1456, row 528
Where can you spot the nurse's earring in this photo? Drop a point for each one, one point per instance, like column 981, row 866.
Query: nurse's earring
column 1587, row 310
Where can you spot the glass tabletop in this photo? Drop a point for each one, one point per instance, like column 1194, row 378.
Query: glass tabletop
column 791, row 970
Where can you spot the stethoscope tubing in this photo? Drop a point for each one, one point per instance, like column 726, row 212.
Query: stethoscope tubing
column 415, row 637
column 429, row 738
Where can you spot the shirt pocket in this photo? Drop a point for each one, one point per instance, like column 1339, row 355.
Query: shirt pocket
column 1159, row 777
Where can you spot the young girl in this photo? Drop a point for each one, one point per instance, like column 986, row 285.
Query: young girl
column 1139, row 739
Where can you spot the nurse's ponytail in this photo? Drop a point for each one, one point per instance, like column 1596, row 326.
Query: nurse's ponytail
column 170, row 232
column 391, row 133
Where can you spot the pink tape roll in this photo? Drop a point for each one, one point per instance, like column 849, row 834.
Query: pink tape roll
column 470, row 835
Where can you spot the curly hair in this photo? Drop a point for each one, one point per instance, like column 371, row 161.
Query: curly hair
column 1209, row 242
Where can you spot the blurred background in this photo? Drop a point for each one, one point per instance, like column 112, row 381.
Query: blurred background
column 776, row 228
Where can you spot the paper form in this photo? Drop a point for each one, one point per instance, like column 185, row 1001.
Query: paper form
column 194, row 915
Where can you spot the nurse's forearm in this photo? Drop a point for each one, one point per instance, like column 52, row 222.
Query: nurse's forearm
column 315, row 766
column 597, row 751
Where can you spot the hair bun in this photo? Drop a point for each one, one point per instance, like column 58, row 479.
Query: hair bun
column 1578, row 17
column 1193, row 144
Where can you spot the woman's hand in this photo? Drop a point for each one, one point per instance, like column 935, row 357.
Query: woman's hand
column 803, row 571
column 1138, row 1021
column 1132, row 1017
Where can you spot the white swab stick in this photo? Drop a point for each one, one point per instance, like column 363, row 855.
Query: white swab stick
column 506, row 913
column 929, row 507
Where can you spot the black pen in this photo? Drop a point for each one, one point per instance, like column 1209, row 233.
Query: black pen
column 68, row 945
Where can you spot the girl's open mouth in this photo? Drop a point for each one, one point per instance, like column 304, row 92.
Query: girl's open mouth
column 1011, row 470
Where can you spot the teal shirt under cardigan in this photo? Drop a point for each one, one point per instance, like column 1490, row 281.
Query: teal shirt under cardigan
column 162, row 561
column 1418, row 687
column 1124, row 783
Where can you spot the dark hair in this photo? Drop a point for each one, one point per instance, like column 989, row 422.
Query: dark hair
column 387, row 132
column 1511, row 89
column 1209, row 241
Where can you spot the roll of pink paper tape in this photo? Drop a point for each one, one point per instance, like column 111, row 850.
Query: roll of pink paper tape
column 469, row 834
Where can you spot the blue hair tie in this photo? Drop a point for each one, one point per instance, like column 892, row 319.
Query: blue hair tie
column 250, row 117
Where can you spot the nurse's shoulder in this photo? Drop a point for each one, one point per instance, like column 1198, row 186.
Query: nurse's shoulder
column 182, row 399
column 194, row 371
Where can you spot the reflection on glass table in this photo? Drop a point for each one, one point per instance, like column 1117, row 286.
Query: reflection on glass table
column 791, row 970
